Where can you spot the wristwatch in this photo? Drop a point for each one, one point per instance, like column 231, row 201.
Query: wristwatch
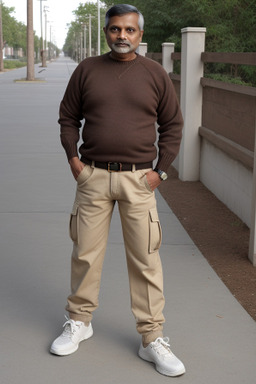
column 163, row 176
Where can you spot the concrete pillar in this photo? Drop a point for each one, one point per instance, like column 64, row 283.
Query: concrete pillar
column 142, row 49
column 192, row 69
column 252, row 244
column 167, row 62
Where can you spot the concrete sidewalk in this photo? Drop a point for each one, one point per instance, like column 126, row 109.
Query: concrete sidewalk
column 209, row 330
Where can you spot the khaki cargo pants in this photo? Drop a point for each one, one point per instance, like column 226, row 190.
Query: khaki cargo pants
column 97, row 192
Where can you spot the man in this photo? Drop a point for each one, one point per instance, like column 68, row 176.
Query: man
column 121, row 95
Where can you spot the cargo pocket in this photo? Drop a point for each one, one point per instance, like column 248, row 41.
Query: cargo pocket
column 73, row 223
column 155, row 231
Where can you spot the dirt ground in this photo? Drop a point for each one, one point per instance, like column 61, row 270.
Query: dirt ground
column 219, row 234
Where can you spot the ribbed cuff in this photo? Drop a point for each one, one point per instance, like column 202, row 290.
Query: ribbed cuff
column 69, row 146
column 164, row 162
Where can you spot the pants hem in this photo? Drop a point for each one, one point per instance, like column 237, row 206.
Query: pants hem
column 76, row 317
column 152, row 336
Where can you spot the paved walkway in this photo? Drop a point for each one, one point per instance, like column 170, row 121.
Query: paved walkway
column 209, row 330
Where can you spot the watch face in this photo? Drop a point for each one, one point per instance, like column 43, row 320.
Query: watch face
column 163, row 176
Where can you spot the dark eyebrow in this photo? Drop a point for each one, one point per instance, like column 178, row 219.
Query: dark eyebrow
column 128, row 27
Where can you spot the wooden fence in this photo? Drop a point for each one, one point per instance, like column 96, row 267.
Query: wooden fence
column 228, row 113
column 227, row 121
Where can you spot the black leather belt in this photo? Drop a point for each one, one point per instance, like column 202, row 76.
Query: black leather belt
column 117, row 167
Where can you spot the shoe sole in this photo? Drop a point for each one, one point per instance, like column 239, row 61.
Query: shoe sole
column 75, row 348
column 171, row 374
column 162, row 371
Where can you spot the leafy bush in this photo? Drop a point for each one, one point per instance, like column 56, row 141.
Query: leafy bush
column 228, row 79
column 13, row 64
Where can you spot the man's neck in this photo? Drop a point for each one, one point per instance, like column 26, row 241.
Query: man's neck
column 123, row 56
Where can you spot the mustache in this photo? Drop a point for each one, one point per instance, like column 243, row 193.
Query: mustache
column 122, row 42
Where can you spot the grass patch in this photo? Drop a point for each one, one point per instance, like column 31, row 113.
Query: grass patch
column 12, row 64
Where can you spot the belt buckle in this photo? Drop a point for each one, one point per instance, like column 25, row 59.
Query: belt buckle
column 114, row 167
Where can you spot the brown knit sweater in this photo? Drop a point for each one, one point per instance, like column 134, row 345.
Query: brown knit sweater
column 120, row 103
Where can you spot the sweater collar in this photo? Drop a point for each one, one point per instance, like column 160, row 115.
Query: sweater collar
column 123, row 62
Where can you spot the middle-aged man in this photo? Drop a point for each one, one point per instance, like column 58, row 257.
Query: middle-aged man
column 121, row 96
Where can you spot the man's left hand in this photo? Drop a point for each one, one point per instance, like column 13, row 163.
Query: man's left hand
column 153, row 179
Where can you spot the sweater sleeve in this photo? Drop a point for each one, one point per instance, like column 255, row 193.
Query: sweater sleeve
column 170, row 123
column 70, row 115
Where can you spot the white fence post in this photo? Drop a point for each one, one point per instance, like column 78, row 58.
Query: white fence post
column 142, row 49
column 167, row 62
column 192, row 69
column 252, row 244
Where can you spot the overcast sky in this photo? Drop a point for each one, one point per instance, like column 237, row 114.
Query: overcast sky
column 59, row 15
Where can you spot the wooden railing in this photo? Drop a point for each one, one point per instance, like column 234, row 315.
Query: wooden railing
column 241, row 58
column 223, row 114
column 220, row 125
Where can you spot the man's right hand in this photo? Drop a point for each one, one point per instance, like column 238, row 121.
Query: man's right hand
column 76, row 166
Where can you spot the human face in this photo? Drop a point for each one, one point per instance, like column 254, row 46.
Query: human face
column 123, row 36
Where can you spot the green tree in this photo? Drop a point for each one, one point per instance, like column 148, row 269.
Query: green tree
column 230, row 27
column 9, row 25
column 15, row 32
column 73, row 39
column 159, row 25
column 230, row 23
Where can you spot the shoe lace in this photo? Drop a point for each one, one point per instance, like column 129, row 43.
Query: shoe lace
column 70, row 327
column 162, row 346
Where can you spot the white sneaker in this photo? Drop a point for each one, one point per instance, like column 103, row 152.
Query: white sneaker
column 68, row 341
column 159, row 352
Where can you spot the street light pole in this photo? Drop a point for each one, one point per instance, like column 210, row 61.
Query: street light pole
column 98, row 27
column 50, row 48
column 81, row 45
column 85, row 53
column 1, row 40
column 42, row 39
column 45, row 32
column 90, row 35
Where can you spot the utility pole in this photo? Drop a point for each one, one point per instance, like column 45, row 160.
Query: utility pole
column 81, row 46
column 1, row 40
column 30, row 42
column 45, row 30
column 85, row 53
column 42, row 38
column 50, row 48
column 90, row 35
column 98, row 27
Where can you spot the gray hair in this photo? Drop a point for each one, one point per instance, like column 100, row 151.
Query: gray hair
column 122, row 9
